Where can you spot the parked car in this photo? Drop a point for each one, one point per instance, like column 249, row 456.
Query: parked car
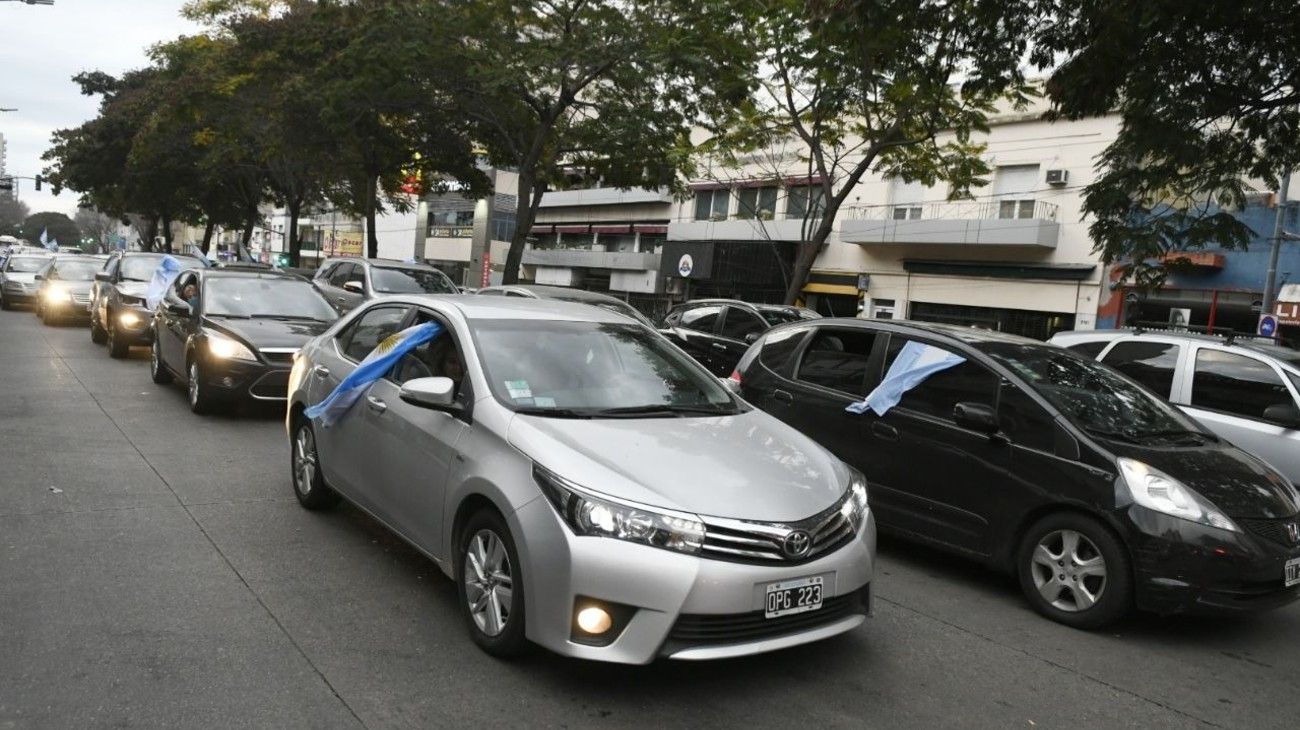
column 237, row 339
column 562, row 463
column 118, row 314
column 717, row 332
column 1244, row 389
column 562, row 294
column 349, row 282
column 1029, row 457
column 63, row 287
column 18, row 278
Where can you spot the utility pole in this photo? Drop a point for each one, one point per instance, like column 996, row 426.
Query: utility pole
column 1270, row 278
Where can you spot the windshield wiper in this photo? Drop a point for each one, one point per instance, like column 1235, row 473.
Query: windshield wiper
column 1173, row 433
column 1114, row 435
column 653, row 409
column 553, row 412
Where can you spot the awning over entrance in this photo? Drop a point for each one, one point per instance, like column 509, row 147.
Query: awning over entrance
column 827, row 282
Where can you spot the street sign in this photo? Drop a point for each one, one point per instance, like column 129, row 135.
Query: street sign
column 1267, row 325
column 1287, row 312
column 685, row 265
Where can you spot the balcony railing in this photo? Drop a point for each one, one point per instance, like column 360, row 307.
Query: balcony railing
column 1010, row 209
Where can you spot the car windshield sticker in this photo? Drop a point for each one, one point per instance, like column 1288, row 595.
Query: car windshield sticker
column 915, row 362
column 518, row 389
column 372, row 368
column 544, row 402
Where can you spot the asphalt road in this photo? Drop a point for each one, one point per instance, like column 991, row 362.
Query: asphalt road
column 156, row 571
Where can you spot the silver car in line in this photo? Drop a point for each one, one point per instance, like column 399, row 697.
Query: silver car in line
column 587, row 485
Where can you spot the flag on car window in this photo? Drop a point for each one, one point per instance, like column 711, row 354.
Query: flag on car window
column 163, row 277
column 915, row 362
column 372, row 368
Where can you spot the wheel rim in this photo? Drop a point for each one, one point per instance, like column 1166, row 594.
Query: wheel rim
column 489, row 582
column 304, row 460
column 1069, row 571
column 153, row 359
column 112, row 337
column 194, row 384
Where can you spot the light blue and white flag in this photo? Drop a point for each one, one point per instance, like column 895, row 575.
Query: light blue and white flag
column 915, row 362
column 197, row 253
column 45, row 237
column 163, row 277
column 375, row 366
column 53, row 245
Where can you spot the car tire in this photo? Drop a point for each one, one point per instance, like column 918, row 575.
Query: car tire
column 304, row 467
column 4, row 303
column 1075, row 571
column 118, row 348
column 157, row 370
column 500, row 636
column 200, row 398
column 97, row 333
column 47, row 319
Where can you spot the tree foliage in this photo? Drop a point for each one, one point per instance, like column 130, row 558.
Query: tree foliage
column 12, row 214
column 56, row 226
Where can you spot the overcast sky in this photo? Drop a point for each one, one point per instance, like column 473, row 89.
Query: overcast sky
column 43, row 47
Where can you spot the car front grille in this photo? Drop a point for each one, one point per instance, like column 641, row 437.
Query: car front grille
column 82, row 299
column 271, row 386
column 1274, row 530
column 705, row 628
column 279, row 357
column 763, row 542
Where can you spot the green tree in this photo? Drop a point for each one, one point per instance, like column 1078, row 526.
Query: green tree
column 1209, row 95
column 56, row 226
column 12, row 214
column 900, row 87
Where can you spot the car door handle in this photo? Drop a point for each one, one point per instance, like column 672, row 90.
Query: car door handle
column 376, row 405
column 782, row 396
column 884, row 431
column 340, row 299
column 321, row 371
column 717, row 346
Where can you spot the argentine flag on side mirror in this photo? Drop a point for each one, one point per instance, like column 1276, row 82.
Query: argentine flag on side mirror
column 915, row 362
column 377, row 363
column 163, row 276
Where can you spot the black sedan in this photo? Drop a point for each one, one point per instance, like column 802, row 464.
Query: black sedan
column 232, row 334
column 1098, row 494
column 118, row 314
column 717, row 332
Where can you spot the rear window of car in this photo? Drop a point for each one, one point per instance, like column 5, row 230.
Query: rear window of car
column 1150, row 363
column 778, row 349
column 837, row 359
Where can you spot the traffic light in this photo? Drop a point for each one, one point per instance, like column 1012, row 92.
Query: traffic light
column 281, row 260
column 38, row 182
column 6, row 183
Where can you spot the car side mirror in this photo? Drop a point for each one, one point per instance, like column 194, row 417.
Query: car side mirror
column 752, row 337
column 354, row 286
column 180, row 308
column 976, row 417
column 102, row 276
column 436, row 393
column 1285, row 414
column 40, row 277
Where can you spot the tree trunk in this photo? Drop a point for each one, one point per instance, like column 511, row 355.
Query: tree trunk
column 807, row 255
column 528, row 198
column 372, row 238
column 167, row 232
column 295, row 246
column 247, row 236
column 208, row 230
column 150, row 232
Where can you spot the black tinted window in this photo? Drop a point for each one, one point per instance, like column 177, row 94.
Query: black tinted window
column 837, row 359
column 778, row 349
column 369, row 330
column 1024, row 421
column 741, row 322
column 342, row 273
column 1236, row 384
column 1090, row 349
column 701, row 319
column 938, row 394
column 1150, row 363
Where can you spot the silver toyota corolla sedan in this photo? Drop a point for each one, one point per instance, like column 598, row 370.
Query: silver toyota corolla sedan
column 586, row 484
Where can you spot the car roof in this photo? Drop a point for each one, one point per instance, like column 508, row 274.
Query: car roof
column 1245, row 341
column 474, row 308
column 717, row 300
column 971, row 336
column 244, row 274
column 559, row 292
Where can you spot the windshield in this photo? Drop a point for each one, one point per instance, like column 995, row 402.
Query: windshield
column 26, row 264
column 1094, row 397
column 410, row 281
column 593, row 369
column 76, row 270
column 779, row 315
column 610, row 305
column 1278, row 352
column 265, row 297
column 141, row 268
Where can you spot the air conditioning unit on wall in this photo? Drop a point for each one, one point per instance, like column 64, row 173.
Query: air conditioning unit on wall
column 1058, row 177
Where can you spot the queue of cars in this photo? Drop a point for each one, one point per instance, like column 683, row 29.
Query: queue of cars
column 594, row 486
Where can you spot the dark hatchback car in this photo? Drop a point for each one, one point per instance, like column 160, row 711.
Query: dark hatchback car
column 118, row 314
column 1095, row 492
column 347, row 283
column 237, row 337
column 717, row 332
column 63, row 287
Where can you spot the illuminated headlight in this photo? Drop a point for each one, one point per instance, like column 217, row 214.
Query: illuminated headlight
column 128, row 319
column 1160, row 492
column 592, row 515
column 855, row 507
column 57, row 293
column 223, row 347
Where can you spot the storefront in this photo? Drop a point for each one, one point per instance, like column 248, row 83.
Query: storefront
column 752, row 271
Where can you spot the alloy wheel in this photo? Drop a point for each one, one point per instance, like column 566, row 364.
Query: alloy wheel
column 193, row 386
column 154, row 365
column 1069, row 570
column 488, row 582
column 304, row 460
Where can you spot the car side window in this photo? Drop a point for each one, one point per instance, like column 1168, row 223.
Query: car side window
column 940, row 393
column 437, row 358
column 837, row 359
column 700, row 319
column 1150, row 363
column 778, row 349
column 369, row 330
column 741, row 322
column 327, row 272
column 340, row 274
column 357, row 274
column 1024, row 421
column 1089, row 350
column 1236, row 384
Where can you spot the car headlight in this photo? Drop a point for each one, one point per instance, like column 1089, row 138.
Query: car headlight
column 1160, row 492
column 855, row 507
column 57, row 293
column 590, row 514
column 129, row 319
column 225, row 348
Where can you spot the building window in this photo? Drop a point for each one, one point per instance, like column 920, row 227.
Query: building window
column 619, row 242
column 757, row 203
column 883, row 308
column 711, row 205
column 1015, row 187
column 906, row 198
column 800, row 198
column 544, row 241
column 905, row 213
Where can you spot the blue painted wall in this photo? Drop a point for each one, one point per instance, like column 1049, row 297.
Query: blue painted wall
column 1244, row 269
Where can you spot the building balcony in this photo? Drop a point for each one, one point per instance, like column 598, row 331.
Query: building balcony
column 582, row 258
column 737, row 229
column 602, row 196
column 1013, row 223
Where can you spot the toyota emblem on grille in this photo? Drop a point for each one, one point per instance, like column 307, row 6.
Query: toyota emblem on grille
column 797, row 544
column 1292, row 531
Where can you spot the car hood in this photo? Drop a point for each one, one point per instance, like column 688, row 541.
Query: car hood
column 135, row 289
column 262, row 333
column 1236, row 482
column 24, row 277
column 73, row 287
column 746, row 466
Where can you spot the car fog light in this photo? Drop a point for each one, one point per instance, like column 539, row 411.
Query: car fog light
column 594, row 620
column 129, row 319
